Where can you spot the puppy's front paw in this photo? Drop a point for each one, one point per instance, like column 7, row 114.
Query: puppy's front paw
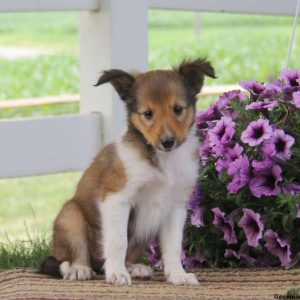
column 76, row 272
column 183, row 279
column 140, row 270
column 119, row 278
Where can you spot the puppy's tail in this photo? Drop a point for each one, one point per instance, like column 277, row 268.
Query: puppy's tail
column 50, row 266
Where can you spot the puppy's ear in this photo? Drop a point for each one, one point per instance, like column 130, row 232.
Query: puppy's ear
column 120, row 80
column 193, row 72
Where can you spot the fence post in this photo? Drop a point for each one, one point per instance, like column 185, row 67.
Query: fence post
column 116, row 36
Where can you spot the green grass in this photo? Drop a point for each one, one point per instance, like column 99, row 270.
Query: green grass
column 247, row 52
column 42, row 76
column 57, row 30
column 240, row 46
column 32, row 203
column 28, row 207
column 23, row 253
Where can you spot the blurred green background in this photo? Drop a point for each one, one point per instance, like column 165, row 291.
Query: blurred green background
column 240, row 46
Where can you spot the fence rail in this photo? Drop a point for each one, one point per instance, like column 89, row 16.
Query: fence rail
column 46, row 5
column 270, row 7
column 34, row 146
column 22, row 103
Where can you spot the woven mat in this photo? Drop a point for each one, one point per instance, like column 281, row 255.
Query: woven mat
column 215, row 284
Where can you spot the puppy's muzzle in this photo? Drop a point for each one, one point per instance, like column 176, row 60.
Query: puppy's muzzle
column 168, row 143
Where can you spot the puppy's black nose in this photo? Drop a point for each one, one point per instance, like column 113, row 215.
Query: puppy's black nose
column 168, row 143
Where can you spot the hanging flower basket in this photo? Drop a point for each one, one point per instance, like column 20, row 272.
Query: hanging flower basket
column 245, row 209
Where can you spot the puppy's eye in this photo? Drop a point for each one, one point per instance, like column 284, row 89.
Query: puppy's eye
column 148, row 114
column 178, row 110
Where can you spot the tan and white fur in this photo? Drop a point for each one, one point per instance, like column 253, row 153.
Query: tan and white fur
column 137, row 188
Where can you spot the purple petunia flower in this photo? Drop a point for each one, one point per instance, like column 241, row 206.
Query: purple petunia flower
column 291, row 77
column 292, row 83
column 231, row 153
column 229, row 253
column 265, row 181
column 252, row 225
column 154, row 256
column 261, row 165
column 296, row 99
column 240, row 172
column 225, row 224
column 210, row 114
column 272, row 90
column 279, row 145
column 289, row 91
column 255, row 88
column 205, row 151
column 196, row 208
column 221, row 135
column 222, row 164
column 193, row 262
column 244, row 255
column 262, row 105
column 224, row 102
column 278, row 247
column 257, row 132
column 197, row 217
column 291, row 189
column 276, row 83
column 195, row 197
column 268, row 150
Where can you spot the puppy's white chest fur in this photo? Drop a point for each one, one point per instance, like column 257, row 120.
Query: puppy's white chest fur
column 154, row 191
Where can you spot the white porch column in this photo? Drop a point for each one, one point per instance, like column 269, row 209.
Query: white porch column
column 116, row 36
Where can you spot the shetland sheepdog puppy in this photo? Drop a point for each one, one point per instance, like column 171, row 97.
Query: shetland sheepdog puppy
column 137, row 188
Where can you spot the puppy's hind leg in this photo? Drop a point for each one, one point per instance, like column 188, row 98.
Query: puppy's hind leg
column 134, row 268
column 71, row 245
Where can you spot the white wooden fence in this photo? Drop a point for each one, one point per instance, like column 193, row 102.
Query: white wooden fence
column 113, row 34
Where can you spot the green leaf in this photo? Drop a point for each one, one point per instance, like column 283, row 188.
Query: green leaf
column 287, row 223
column 293, row 210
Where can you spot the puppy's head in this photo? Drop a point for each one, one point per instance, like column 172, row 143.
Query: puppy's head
column 161, row 104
